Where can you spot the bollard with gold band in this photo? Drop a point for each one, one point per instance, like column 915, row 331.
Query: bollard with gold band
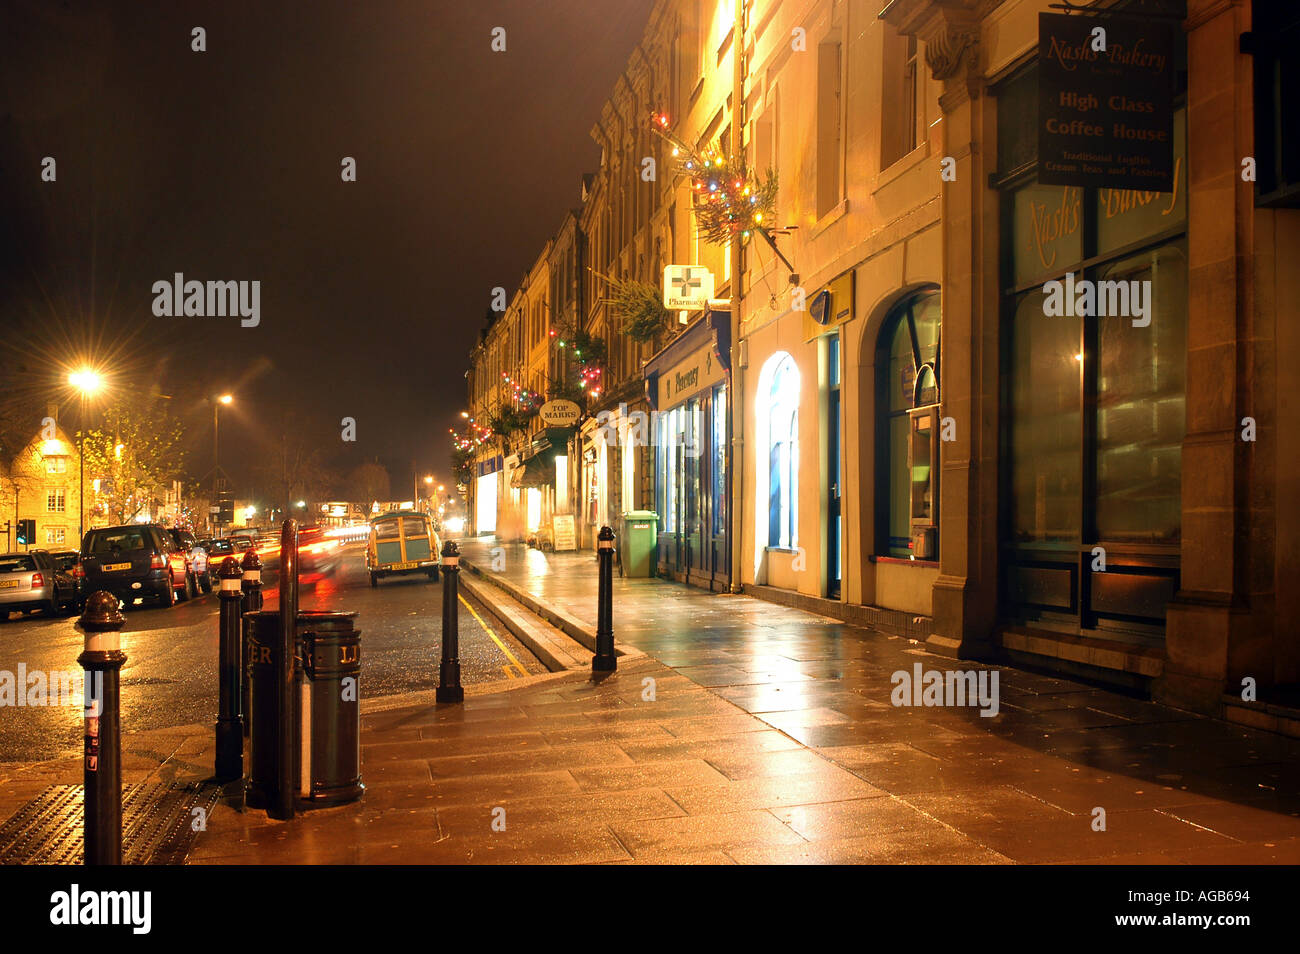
column 449, row 687
column 605, row 660
column 251, row 587
column 230, row 734
column 101, row 622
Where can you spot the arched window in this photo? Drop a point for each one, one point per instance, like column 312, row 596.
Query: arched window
column 907, row 378
column 783, row 455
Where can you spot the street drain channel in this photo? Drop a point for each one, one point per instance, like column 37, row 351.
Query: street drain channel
column 157, row 825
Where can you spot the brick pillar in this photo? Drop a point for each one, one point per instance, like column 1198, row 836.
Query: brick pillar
column 1220, row 625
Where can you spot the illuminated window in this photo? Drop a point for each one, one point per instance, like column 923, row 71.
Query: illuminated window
column 55, row 502
column 783, row 454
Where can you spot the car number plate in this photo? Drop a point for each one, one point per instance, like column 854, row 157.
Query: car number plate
column 405, row 566
column 115, row 566
column 5, row 584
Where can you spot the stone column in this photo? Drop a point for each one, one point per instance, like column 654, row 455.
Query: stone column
column 1220, row 624
column 965, row 593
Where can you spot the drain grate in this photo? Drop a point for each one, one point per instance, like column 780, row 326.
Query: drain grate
column 157, row 824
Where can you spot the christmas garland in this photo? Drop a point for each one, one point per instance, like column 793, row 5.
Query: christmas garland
column 730, row 200
column 640, row 306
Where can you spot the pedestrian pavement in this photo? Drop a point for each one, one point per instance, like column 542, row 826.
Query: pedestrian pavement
column 738, row 731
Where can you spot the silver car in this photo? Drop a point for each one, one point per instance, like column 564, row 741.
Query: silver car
column 33, row 580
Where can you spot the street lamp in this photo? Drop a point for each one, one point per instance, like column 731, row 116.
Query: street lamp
column 216, row 449
column 88, row 382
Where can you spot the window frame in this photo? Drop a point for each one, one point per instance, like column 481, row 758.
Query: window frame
column 903, row 310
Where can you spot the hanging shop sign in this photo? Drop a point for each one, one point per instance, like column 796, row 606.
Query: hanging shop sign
column 560, row 413
column 687, row 287
column 1106, row 102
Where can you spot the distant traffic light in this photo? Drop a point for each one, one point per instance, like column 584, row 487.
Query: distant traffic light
column 26, row 532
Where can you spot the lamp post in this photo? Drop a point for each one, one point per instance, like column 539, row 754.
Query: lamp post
column 87, row 382
column 216, row 456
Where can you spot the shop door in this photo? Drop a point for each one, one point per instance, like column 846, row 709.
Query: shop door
column 834, row 534
column 692, row 535
column 717, row 457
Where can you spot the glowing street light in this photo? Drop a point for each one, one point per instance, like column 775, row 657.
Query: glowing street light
column 88, row 383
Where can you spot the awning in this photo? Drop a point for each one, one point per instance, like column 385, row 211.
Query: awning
column 536, row 471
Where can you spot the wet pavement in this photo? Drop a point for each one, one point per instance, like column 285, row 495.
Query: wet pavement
column 170, row 678
column 1026, row 784
column 735, row 731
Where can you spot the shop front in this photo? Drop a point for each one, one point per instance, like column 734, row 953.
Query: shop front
column 1094, row 317
column 686, row 387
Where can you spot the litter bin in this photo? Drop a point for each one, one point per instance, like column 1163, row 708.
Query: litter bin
column 640, row 542
column 327, row 722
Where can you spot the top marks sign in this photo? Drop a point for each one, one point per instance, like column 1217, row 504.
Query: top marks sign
column 1105, row 102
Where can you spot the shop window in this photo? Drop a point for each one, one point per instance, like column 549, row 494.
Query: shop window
column 1141, row 406
column 783, row 454
column 907, row 396
column 719, row 469
column 1045, row 395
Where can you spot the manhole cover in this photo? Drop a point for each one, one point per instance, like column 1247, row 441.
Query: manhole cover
column 157, row 825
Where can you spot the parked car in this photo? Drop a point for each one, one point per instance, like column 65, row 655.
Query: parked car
column 69, row 562
column 400, row 543
column 137, row 562
column 31, row 581
column 198, row 557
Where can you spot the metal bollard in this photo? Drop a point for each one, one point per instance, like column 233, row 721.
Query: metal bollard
column 251, row 587
column 605, row 660
column 285, row 675
column 230, row 735
column 102, row 660
column 449, row 687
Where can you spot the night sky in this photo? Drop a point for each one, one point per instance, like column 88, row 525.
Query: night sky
column 225, row 165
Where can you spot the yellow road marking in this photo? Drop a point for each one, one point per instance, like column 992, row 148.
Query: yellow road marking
column 501, row 645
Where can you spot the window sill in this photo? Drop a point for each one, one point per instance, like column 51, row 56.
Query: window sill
column 780, row 549
column 901, row 166
column 905, row 561
column 830, row 218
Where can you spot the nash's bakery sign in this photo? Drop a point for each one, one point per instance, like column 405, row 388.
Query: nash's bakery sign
column 1105, row 102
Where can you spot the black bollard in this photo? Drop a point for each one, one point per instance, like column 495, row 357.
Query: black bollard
column 230, row 734
column 102, row 661
column 605, row 660
column 251, row 587
column 286, row 731
column 449, row 687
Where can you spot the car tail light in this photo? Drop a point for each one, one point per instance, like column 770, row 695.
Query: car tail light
column 156, row 562
column 38, row 579
column 78, row 572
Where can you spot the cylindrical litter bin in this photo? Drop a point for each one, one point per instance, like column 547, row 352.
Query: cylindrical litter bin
column 639, row 542
column 327, row 708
